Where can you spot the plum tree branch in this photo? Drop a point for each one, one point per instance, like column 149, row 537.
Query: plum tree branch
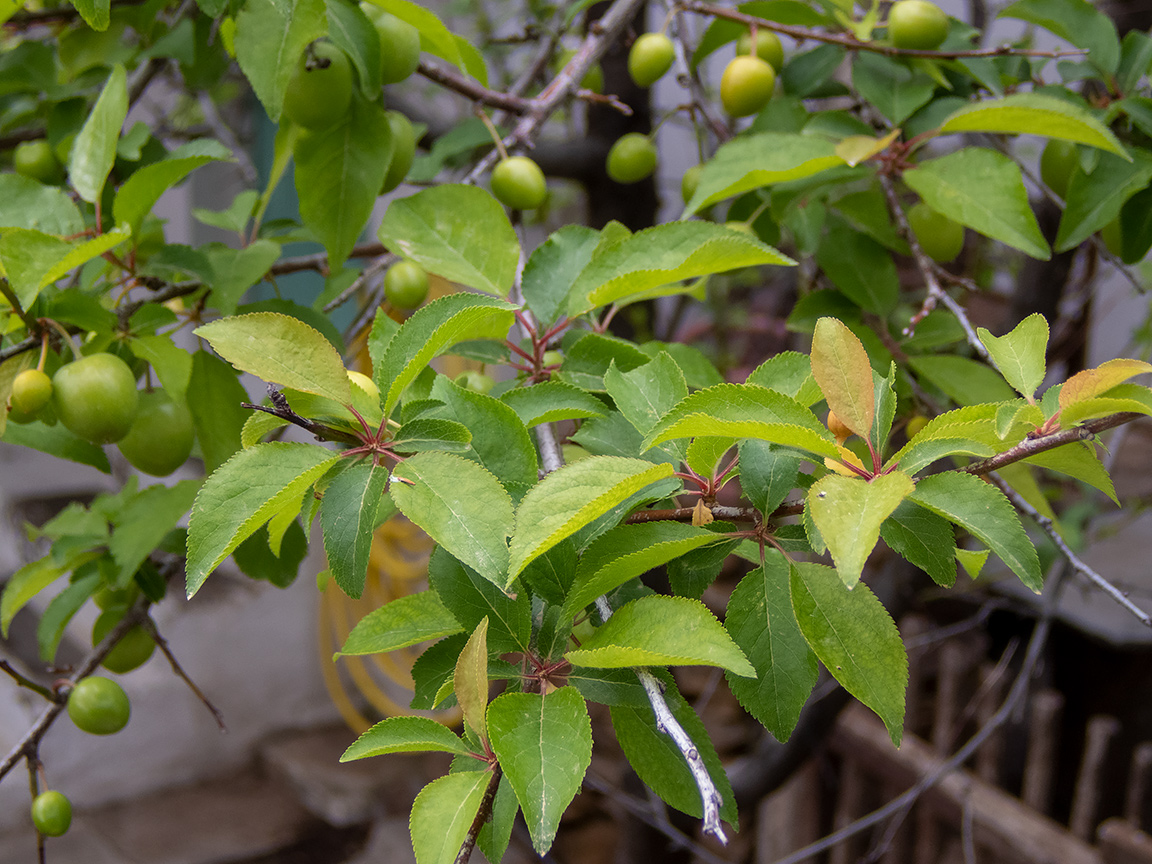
column 850, row 42
column 1071, row 557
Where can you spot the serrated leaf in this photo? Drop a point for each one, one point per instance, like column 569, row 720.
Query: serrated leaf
column 849, row 512
column 339, row 172
column 896, row 89
column 553, row 267
column 348, row 517
column 985, row 512
column 27, row 203
column 984, row 190
column 143, row 522
column 744, row 411
column 270, row 37
column 642, row 265
column 963, row 380
column 30, row 580
column 352, row 31
column 57, row 441
column 854, row 637
column 1021, row 355
column 458, row 232
column 442, row 815
column 214, row 397
column 1034, row 114
column 572, row 497
column 237, row 270
column 751, row 161
column 171, row 363
column 922, row 538
column 767, row 473
column 841, row 368
column 627, row 551
column 470, row 680
column 544, row 744
column 436, row 39
column 647, row 393
column 281, row 350
column 405, row 735
column 431, row 433
column 790, row 373
column 50, row 628
column 431, row 331
column 140, row 192
column 97, row 14
column 243, row 494
column 400, row 623
column 658, row 762
column 973, row 560
column 461, row 506
column 661, row 631
column 1090, row 383
column 500, row 441
column 94, row 150
column 550, row 401
column 761, row 622
column 1093, row 200
column 471, row 598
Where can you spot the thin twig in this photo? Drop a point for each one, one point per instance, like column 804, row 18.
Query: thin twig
column 689, row 78
column 684, row 514
column 24, row 681
column 850, row 42
column 465, row 86
column 1032, row 446
column 1072, row 558
column 483, row 814
column 150, row 628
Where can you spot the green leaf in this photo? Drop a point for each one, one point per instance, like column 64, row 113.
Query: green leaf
column 436, row 39
column 339, row 172
column 140, row 192
column 647, row 393
column 984, row 190
column 660, row 764
column 472, row 599
column 351, row 30
column 973, row 560
column 627, row 551
column 470, row 680
column 171, row 363
column 431, row 331
column 33, row 260
column 751, row 161
column 544, row 744
column 553, row 267
column 143, row 523
column 761, row 622
column 1034, row 114
column 767, row 473
column 896, row 90
column 963, row 380
column 572, row 497
column 348, row 517
column 461, row 506
column 214, row 398
column 458, row 232
column 1124, row 397
column 243, row 494
column 745, row 411
column 841, row 368
column 1077, row 460
column 270, row 37
column 27, row 203
column 282, row 350
column 431, row 433
column 442, row 815
column 237, row 270
column 400, row 623
column 500, row 440
column 1093, row 200
column 56, row 441
column 849, row 512
column 982, row 510
column 860, row 267
column 405, row 735
column 856, row 640
column 790, row 373
column 550, row 401
column 94, row 150
column 924, row 539
column 97, row 14
column 661, row 631
column 647, row 263
column 30, row 580
column 1020, row 355
column 1077, row 21
column 59, row 612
